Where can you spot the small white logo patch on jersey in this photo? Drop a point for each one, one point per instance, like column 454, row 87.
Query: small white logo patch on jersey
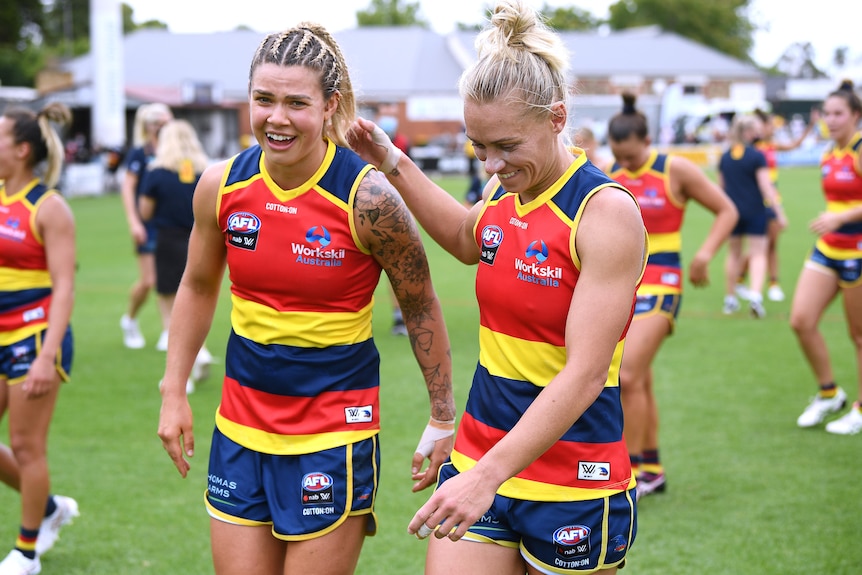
column 362, row 414
column 594, row 470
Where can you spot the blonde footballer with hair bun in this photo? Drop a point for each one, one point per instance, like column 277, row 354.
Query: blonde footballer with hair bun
column 539, row 480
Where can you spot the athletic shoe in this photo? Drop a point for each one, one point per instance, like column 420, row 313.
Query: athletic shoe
column 775, row 293
column 820, row 407
column 650, row 483
column 731, row 305
column 398, row 327
column 850, row 424
column 162, row 344
column 201, row 367
column 132, row 336
column 742, row 292
column 757, row 309
column 49, row 531
column 16, row 564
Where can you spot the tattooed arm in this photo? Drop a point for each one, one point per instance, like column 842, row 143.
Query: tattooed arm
column 386, row 227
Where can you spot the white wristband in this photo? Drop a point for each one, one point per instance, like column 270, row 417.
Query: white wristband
column 393, row 153
column 434, row 432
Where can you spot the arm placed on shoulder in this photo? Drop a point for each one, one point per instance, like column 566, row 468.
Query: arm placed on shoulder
column 445, row 219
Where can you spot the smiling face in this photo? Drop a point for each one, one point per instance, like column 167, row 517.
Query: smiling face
column 288, row 112
column 520, row 148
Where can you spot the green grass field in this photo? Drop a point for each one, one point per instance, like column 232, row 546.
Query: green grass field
column 748, row 492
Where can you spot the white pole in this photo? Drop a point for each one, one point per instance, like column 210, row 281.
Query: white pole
column 106, row 48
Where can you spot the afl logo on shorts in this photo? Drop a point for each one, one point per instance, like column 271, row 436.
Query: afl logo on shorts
column 242, row 230
column 316, row 488
column 572, row 541
column 492, row 237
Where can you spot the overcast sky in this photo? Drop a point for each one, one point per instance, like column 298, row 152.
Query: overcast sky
column 827, row 24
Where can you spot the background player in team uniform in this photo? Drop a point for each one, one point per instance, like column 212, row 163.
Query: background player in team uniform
column 304, row 227
column 539, row 480
column 165, row 203
column 149, row 119
column 37, row 277
column 662, row 185
column 767, row 144
column 835, row 263
column 744, row 176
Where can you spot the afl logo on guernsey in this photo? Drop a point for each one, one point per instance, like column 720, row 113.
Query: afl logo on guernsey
column 572, row 541
column 242, row 230
column 492, row 237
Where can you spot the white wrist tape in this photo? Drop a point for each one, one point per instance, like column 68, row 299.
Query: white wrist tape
column 393, row 153
column 434, row 431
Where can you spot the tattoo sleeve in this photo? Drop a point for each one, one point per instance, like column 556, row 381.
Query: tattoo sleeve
column 388, row 229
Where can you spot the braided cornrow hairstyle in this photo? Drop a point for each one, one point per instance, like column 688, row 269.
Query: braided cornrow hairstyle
column 310, row 45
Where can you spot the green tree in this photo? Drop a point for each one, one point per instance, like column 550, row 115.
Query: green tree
column 34, row 33
column 129, row 24
column 20, row 35
column 720, row 24
column 66, row 28
column 572, row 18
column 391, row 13
column 797, row 61
column 21, row 19
column 839, row 57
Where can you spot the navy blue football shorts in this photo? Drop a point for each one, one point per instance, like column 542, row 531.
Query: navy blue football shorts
column 559, row 537
column 301, row 496
column 16, row 359
column 665, row 305
column 848, row 271
column 750, row 225
column 149, row 246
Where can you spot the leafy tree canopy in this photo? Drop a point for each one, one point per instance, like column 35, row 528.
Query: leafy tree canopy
column 34, row 33
column 391, row 13
column 720, row 24
column 571, row 18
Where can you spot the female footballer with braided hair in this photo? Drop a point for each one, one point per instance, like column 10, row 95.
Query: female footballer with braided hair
column 304, row 227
